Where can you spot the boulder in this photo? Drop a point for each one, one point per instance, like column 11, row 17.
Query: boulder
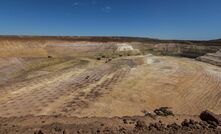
column 140, row 125
column 209, row 116
column 163, row 111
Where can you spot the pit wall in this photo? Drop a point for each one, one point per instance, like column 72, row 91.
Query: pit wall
column 177, row 49
column 22, row 49
column 53, row 47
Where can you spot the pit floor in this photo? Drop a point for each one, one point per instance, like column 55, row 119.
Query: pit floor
column 87, row 88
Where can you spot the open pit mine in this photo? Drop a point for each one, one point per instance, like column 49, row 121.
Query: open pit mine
column 68, row 85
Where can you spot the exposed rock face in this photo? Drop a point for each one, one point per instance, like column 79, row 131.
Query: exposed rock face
column 15, row 46
column 212, row 58
column 124, row 47
column 186, row 50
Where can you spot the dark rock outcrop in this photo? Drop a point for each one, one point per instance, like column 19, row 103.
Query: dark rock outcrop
column 210, row 117
column 163, row 111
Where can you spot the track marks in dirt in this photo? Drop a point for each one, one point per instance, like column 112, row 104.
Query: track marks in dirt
column 187, row 86
column 62, row 91
column 84, row 98
column 30, row 96
column 201, row 87
column 98, row 90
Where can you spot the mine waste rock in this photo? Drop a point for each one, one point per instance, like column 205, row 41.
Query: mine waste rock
column 140, row 125
column 210, row 117
column 187, row 126
column 163, row 111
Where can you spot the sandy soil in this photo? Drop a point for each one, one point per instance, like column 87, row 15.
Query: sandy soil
column 123, row 87
column 186, row 85
column 59, row 87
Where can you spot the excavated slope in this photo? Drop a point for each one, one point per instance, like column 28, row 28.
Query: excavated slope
column 51, row 76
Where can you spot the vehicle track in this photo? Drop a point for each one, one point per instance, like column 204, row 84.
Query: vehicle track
column 54, row 92
column 187, row 86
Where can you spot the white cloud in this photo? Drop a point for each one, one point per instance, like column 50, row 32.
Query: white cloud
column 78, row 3
column 107, row 9
column 75, row 4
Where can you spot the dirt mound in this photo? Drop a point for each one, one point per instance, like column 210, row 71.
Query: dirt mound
column 126, row 125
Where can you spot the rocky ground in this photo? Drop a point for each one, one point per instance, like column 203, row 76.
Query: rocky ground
column 207, row 122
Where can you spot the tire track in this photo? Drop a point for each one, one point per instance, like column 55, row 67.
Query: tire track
column 41, row 95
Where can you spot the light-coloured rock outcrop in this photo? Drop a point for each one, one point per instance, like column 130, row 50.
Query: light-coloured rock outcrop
column 212, row 58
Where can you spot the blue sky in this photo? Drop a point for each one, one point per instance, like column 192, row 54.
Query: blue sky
column 166, row 19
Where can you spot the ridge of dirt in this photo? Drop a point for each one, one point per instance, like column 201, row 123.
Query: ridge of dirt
column 123, row 125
